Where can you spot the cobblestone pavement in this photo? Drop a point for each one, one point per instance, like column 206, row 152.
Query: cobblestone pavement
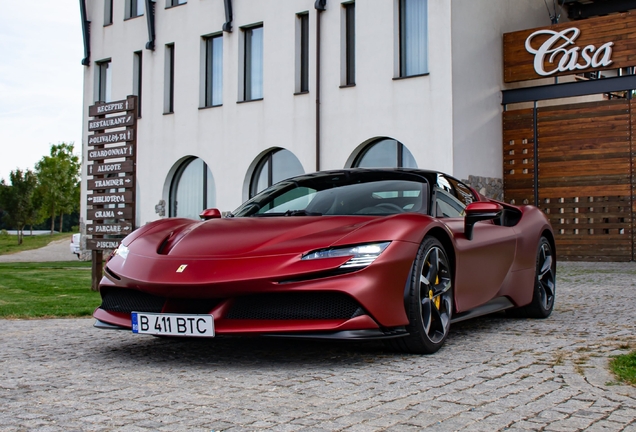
column 494, row 373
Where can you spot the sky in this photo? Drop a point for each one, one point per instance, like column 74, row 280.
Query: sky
column 41, row 79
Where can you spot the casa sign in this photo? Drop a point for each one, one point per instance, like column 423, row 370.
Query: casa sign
column 570, row 48
column 562, row 54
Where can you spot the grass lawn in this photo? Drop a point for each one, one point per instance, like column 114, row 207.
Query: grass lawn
column 48, row 289
column 9, row 243
column 624, row 366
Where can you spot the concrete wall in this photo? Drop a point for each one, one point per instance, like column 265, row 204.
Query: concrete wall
column 477, row 32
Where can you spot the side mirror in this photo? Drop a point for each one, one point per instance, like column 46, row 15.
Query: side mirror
column 208, row 214
column 480, row 211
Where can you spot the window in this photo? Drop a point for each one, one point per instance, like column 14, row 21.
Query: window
column 447, row 205
column 192, row 189
column 357, row 193
column 134, row 8
column 275, row 166
column 137, row 74
column 103, row 81
column 385, row 153
column 168, row 95
column 108, row 12
column 461, row 191
column 213, row 82
column 349, row 45
column 302, row 53
column 413, row 37
column 170, row 3
column 451, row 197
column 253, row 63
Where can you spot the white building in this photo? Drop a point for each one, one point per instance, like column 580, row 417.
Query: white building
column 399, row 82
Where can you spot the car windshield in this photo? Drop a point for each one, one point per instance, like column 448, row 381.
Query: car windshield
column 373, row 194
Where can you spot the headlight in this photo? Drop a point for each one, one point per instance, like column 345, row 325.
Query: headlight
column 361, row 255
column 122, row 250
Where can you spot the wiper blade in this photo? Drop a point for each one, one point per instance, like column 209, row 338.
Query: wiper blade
column 266, row 214
column 301, row 213
column 287, row 213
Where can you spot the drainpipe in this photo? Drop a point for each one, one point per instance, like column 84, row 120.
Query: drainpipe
column 86, row 33
column 229, row 16
column 320, row 6
column 150, row 22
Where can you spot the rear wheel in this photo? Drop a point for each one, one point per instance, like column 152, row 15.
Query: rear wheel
column 429, row 303
column 544, row 285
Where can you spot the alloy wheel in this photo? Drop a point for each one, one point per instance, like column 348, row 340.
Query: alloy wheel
column 435, row 294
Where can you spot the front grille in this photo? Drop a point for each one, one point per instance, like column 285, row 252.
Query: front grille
column 191, row 306
column 295, row 306
column 127, row 300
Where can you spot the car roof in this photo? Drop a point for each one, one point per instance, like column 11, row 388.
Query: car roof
column 427, row 174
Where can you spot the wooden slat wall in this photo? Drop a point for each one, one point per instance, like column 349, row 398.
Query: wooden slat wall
column 518, row 146
column 586, row 166
column 585, row 178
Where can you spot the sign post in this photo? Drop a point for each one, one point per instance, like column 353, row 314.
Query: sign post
column 111, row 171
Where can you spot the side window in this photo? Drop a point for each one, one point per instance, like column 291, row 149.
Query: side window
column 451, row 197
column 462, row 192
column 446, row 205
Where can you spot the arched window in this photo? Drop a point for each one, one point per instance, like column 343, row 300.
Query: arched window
column 276, row 165
column 385, row 153
column 192, row 189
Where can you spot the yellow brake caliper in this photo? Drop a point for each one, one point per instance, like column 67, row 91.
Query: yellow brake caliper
column 437, row 301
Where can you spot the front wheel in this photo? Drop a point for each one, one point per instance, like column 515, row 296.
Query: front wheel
column 429, row 302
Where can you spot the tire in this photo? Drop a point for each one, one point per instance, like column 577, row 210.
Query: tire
column 429, row 301
column 544, row 285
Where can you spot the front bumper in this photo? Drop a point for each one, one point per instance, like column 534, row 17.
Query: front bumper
column 368, row 334
column 370, row 300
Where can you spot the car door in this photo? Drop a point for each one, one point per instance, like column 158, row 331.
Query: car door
column 483, row 263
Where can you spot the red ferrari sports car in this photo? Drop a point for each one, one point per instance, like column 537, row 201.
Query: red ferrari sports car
column 393, row 254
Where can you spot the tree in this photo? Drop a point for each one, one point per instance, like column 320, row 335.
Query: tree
column 18, row 201
column 59, row 182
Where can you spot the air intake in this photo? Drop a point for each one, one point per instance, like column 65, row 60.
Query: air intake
column 295, row 306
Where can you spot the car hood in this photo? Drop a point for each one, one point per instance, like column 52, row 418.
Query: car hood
column 250, row 236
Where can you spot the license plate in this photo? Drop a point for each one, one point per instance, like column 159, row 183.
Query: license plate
column 173, row 324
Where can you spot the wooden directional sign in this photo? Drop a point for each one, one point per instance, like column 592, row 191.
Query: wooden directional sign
column 102, row 244
column 123, row 228
column 111, row 107
column 111, row 152
column 110, row 198
column 110, row 168
column 111, row 137
column 110, row 183
column 109, row 213
column 111, row 122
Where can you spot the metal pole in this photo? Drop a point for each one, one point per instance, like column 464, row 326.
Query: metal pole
column 320, row 6
column 536, row 155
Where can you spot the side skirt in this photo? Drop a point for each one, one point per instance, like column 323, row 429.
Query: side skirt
column 494, row 305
